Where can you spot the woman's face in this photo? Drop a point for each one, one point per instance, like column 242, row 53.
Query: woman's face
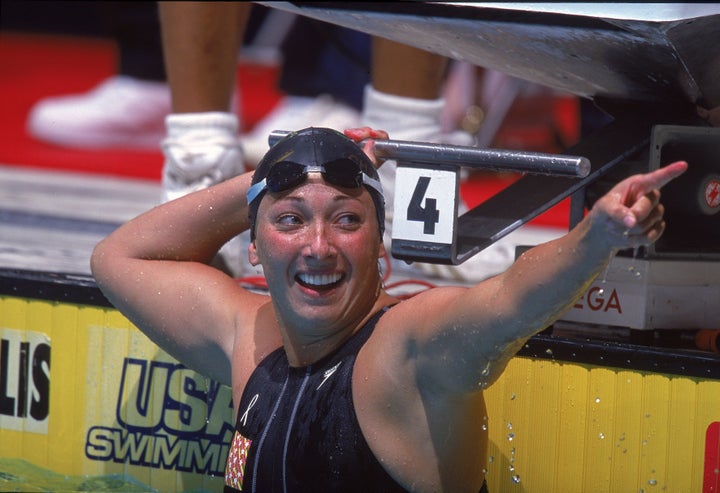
column 319, row 247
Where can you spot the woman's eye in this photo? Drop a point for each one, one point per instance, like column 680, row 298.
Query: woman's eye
column 289, row 220
column 349, row 219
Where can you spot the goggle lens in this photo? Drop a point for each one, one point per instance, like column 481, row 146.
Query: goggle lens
column 285, row 175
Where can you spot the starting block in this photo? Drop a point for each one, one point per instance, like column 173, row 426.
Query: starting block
column 675, row 282
column 426, row 226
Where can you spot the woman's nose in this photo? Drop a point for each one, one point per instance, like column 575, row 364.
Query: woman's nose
column 319, row 243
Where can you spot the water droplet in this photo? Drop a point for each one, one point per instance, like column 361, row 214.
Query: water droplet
column 597, row 400
column 484, row 427
column 509, row 426
column 512, row 397
column 652, row 482
column 515, row 478
column 491, row 459
column 602, row 436
column 549, row 352
column 511, row 436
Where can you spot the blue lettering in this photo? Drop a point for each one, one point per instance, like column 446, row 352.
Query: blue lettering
column 160, row 451
column 145, row 385
column 170, row 417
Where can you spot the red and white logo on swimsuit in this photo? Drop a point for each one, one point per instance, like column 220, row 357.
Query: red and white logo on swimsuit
column 237, row 458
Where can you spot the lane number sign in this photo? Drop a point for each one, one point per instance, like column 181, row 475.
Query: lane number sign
column 425, row 208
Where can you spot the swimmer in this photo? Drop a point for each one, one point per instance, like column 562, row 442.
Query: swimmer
column 337, row 385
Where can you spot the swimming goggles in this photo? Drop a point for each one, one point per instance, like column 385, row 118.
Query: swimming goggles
column 285, row 175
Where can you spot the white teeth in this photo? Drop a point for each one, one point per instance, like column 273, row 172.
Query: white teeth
column 319, row 279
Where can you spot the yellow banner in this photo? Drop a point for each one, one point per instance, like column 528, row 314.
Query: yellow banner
column 84, row 394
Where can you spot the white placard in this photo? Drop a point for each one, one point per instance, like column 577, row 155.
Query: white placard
column 425, row 205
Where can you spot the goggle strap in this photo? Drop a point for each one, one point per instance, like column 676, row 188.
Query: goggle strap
column 255, row 190
column 372, row 182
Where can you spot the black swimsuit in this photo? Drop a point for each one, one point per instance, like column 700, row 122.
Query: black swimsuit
column 297, row 430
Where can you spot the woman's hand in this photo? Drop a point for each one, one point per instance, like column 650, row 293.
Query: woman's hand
column 369, row 135
column 631, row 211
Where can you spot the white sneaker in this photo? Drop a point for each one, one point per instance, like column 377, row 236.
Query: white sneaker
column 120, row 112
column 295, row 113
column 420, row 120
column 201, row 150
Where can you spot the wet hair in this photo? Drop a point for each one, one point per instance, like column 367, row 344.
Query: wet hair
column 317, row 147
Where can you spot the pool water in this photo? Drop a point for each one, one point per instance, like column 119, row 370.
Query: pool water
column 20, row 475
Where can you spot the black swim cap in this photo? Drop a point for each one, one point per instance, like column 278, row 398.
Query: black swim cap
column 316, row 147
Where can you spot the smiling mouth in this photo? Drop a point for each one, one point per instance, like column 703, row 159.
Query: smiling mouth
column 319, row 281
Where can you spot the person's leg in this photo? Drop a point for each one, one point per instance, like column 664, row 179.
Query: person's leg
column 201, row 41
column 406, row 100
column 406, row 71
column 200, row 44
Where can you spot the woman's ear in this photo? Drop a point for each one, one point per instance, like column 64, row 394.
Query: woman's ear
column 382, row 253
column 253, row 255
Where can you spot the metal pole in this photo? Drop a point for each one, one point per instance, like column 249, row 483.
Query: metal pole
column 419, row 153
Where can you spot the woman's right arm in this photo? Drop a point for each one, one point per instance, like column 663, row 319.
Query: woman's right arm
column 155, row 270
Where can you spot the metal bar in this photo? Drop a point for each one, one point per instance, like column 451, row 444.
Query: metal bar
column 419, row 153
column 530, row 196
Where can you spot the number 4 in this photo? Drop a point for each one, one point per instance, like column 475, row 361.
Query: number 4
column 428, row 214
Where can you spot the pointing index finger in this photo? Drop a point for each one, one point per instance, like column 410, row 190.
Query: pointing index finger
column 661, row 177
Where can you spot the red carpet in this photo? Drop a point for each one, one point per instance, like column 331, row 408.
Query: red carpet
column 33, row 67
